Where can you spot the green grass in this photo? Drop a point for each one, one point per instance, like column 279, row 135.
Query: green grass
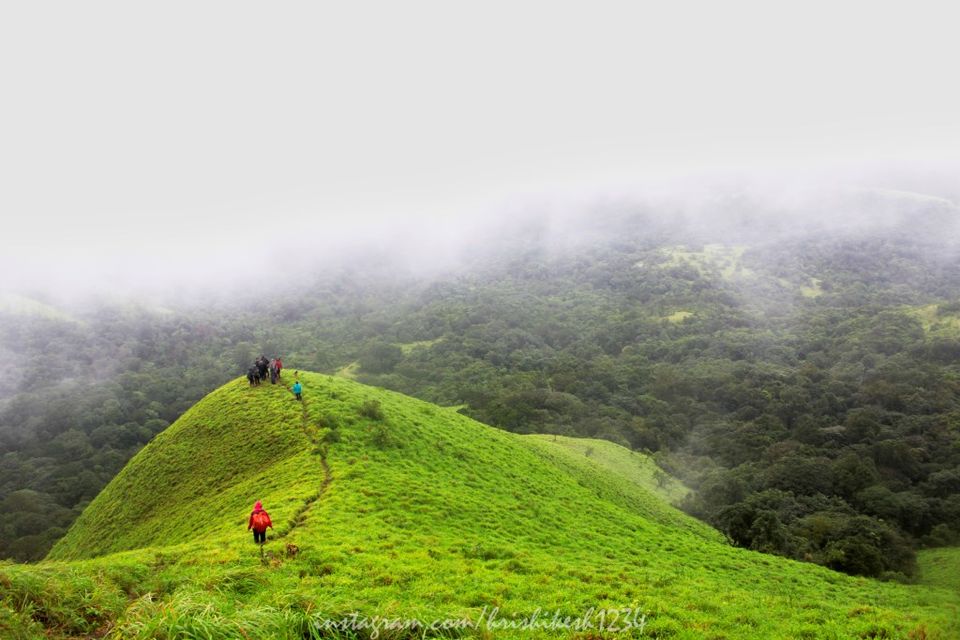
column 349, row 371
column 814, row 290
column 16, row 304
column 936, row 321
column 352, row 371
column 419, row 513
column 940, row 567
column 193, row 479
column 622, row 463
column 407, row 347
column 678, row 316
column 725, row 261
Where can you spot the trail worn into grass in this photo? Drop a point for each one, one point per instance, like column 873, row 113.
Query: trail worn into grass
column 321, row 448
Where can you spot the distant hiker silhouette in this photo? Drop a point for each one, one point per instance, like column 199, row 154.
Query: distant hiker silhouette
column 259, row 521
column 274, row 372
column 253, row 376
column 297, row 390
column 262, row 365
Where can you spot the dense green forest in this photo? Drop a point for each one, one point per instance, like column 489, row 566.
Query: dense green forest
column 804, row 382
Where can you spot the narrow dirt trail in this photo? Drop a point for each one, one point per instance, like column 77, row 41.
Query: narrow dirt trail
column 301, row 513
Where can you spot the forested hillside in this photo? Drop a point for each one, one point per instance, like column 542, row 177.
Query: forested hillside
column 800, row 375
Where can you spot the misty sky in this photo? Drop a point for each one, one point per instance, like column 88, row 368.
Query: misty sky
column 177, row 137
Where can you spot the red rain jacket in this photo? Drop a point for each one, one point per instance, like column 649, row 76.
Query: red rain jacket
column 262, row 525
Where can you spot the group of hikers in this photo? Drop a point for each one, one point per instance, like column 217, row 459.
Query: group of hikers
column 262, row 367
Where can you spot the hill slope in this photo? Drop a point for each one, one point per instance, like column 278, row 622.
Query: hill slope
column 402, row 509
column 194, row 480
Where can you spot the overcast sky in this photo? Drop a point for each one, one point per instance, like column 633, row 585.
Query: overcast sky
column 132, row 132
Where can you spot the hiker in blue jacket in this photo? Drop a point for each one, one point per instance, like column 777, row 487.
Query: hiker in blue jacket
column 297, row 390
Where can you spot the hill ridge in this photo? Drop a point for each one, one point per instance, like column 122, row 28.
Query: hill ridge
column 432, row 516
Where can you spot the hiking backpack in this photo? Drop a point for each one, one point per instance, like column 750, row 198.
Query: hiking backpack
column 260, row 521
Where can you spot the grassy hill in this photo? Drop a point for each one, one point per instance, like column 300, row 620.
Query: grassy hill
column 388, row 506
column 940, row 567
column 18, row 305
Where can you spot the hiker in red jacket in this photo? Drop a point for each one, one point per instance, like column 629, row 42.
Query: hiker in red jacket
column 259, row 521
column 279, row 366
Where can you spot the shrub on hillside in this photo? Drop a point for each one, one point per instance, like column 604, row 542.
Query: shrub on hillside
column 856, row 544
column 329, row 421
column 371, row 409
column 382, row 437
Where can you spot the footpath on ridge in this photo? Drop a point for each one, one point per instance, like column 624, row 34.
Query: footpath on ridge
column 321, row 449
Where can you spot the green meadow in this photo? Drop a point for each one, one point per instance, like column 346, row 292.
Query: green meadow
column 726, row 261
column 395, row 518
column 936, row 320
column 940, row 567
